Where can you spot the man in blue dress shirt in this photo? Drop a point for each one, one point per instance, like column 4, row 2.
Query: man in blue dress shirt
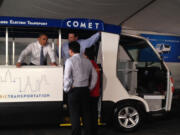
column 84, row 43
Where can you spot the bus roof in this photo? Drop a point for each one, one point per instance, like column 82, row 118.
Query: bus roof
column 70, row 23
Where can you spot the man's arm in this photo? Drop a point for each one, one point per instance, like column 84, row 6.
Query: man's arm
column 94, row 77
column 90, row 41
column 67, row 76
column 23, row 54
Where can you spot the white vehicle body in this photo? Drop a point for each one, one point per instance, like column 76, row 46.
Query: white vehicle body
column 122, row 75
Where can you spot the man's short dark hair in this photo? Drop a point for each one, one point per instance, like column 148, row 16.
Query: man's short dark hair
column 73, row 32
column 74, row 46
column 89, row 52
column 43, row 34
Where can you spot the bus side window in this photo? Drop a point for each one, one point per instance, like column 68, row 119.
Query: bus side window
column 20, row 45
column 56, row 51
column 2, row 51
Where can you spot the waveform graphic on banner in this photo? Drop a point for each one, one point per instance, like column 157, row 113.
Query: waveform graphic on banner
column 7, row 81
column 7, row 77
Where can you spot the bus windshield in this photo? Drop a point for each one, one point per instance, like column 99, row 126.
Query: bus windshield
column 138, row 50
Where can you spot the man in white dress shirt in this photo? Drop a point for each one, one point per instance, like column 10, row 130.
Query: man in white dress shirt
column 38, row 51
column 79, row 78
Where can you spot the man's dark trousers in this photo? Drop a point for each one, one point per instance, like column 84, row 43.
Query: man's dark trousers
column 78, row 101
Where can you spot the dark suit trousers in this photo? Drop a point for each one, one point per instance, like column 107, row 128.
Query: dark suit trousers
column 78, row 101
column 94, row 114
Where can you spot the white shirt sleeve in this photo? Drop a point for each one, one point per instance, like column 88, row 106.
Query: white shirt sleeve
column 93, row 78
column 25, row 52
column 51, row 54
column 68, row 76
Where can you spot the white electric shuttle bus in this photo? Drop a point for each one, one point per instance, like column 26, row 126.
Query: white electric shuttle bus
column 135, row 80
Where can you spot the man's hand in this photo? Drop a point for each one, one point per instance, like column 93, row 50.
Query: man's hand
column 18, row 64
column 53, row 64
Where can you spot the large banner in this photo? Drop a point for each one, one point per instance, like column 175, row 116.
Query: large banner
column 31, row 84
column 167, row 46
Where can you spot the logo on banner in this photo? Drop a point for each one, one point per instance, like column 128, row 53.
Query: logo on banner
column 17, row 21
column 166, row 45
column 83, row 24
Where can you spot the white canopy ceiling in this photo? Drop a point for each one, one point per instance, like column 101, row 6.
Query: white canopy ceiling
column 158, row 16
column 161, row 16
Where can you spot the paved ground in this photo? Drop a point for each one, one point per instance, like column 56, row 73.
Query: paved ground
column 154, row 126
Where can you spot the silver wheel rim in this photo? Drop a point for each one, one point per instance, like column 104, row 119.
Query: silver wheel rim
column 128, row 117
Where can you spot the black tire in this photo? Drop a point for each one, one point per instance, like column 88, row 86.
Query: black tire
column 133, row 120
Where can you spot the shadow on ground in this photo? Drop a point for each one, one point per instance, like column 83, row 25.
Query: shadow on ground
column 152, row 126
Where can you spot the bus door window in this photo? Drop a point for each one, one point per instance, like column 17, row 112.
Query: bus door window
column 2, row 47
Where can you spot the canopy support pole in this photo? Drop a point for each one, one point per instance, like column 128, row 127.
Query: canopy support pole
column 7, row 46
column 13, row 51
column 60, row 44
column 53, row 47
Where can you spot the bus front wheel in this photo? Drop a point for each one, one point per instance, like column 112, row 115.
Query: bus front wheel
column 128, row 117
